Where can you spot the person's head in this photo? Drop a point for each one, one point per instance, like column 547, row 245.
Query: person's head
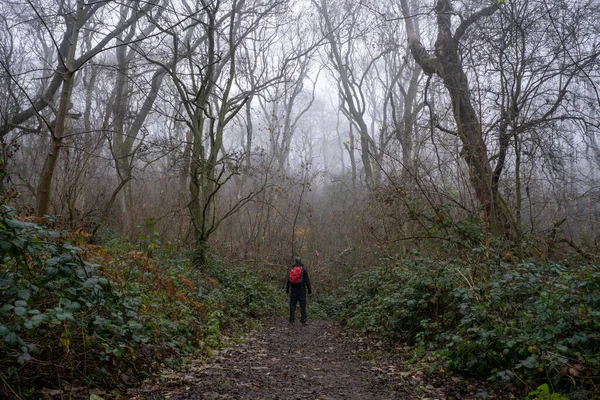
column 298, row 260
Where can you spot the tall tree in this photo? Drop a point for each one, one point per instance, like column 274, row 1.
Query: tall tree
column 74, row 22
column 541, row 62
column 340, row 26
column 127, row 121
column 283, row 109
column 70, row 60
column 447, row 63
column 205, row 79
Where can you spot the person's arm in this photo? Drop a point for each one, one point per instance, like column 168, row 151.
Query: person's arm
column 287, row 285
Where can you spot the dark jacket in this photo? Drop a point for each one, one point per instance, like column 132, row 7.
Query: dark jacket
column 299, row 287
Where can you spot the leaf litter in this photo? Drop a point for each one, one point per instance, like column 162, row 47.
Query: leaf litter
column 320, row 361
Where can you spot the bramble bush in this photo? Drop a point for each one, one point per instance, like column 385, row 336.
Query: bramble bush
column 64, row 318
column 530, row 323
column 105, row 316
column 396, row 301
column 240, row 293
column 324, row 306
column 526, row 323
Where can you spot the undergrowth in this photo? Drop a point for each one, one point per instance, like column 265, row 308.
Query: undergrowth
column 75, row 314
column 325, row 307
column 525, row 325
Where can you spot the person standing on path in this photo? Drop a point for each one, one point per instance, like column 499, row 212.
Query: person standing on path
column 297, row 287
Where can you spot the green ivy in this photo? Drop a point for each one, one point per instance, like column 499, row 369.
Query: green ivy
column 543, row 393
column 70, row 314
column 240, row 293
column 523, row 323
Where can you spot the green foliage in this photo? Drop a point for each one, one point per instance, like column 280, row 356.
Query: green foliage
column 149, row 238
column 543, row 393
column 401, row 301
column 79, row 316
column 212, row 329
column 240, row 293
column 523, row 323
column 530, row 322
column 98, row 314
column 325, row 307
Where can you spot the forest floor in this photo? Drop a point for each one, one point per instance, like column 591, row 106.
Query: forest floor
column 318, row 361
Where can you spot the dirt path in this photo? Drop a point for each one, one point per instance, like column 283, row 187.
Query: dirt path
column 318, row 361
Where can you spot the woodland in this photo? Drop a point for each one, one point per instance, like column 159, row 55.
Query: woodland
column 435, row 163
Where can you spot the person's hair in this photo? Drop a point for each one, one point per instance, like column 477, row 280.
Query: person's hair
column 298, row 260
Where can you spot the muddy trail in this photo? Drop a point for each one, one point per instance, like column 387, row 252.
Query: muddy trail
column 317, row 361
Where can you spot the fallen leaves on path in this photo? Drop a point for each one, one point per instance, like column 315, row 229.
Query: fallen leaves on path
column 318, row 361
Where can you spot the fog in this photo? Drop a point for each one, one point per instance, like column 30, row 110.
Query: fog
column 339, row 129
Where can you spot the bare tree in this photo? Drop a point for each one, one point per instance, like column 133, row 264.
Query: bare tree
column 210, row 98
column 446, row 62
column 542, row 66
column 70, row 60
column 57, row 127
column 283, row 109
column 128, row 121
column 340, row 34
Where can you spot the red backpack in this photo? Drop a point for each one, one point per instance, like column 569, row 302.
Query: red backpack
column 297, row 275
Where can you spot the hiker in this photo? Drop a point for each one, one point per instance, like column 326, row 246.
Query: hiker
column 298, row 283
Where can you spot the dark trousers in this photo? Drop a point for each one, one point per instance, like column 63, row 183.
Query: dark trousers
column 294, row 299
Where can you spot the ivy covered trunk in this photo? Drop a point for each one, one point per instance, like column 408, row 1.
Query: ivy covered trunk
column 201, row 253
column 201, row 206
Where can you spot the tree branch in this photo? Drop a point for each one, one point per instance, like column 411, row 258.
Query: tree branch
column 485, row 12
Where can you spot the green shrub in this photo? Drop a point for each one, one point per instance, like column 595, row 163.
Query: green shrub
column 527, row 323
column 105, row 316
column 93, row 322
column 324, row 307
column 407, row 301
column 240, row 293
column 543, row 393
column 530, row 323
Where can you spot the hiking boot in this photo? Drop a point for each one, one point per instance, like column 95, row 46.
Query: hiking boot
column 304, row 323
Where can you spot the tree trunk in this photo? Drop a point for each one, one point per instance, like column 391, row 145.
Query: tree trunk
column 249, row 135
column 447, row 64
column 408, row 122
column 350, row 147
column 352, row 107
column 185, row 168
column 58, row 128
column 201, row 252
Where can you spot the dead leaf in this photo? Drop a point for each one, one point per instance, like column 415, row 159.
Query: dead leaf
column 52, row 392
